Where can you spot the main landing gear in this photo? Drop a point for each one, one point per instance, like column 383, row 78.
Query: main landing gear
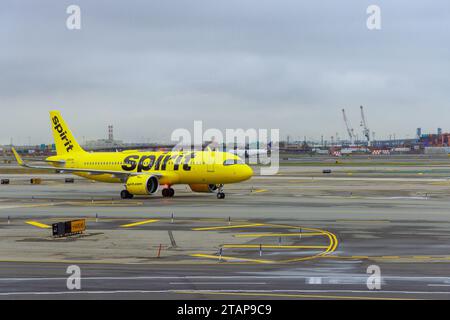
column 168, row 192
column 124, row 194
column 220, row 193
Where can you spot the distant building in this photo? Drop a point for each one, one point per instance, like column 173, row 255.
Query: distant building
column 104, row 143
column 435, row 140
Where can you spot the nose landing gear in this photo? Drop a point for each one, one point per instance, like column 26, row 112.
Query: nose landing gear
column 220, row 193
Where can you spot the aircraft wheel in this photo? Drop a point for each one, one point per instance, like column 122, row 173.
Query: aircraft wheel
column 124, row 194
column 168, row 192
column 221, row 195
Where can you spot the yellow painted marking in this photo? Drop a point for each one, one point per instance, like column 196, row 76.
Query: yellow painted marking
column 237, row 246
column 229, row 227
column 260, row 190
column 285, row 226
column 256, row 235
column 333, row 242
column 134, row 224
column 345, row 257
column 390, row 257
column 38, row 224
column 336, row 242
column 104, row 203
column 440, row 183
column 209, row 256
column 331, row 248
column 285, row 295
column 28, row 206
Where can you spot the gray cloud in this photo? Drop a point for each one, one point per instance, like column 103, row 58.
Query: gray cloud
column 151, row 66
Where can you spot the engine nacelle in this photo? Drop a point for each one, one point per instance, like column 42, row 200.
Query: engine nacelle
column 208, row 188
column 142, row 185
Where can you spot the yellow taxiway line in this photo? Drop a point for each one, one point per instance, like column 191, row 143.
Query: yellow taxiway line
column 229, row 227
column 38, row 224
column 260, row 191
column 245, row 246
column 256, row 235
column 210, row 256
column 134, row 224
column 328, row 249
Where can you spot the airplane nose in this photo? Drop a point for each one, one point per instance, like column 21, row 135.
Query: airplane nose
column 247, row 172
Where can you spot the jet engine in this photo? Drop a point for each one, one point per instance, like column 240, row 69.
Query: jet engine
column 142, row 185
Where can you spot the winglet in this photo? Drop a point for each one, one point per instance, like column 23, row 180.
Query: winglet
column 18, row 158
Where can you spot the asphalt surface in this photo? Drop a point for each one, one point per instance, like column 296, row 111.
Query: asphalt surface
column 401, row 226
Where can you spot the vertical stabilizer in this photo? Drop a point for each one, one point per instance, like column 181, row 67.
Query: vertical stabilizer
column 64, row 140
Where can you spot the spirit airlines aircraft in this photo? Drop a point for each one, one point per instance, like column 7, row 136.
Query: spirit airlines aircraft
column 143, row 173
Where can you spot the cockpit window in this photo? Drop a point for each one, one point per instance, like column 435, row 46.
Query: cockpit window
column 230, row 162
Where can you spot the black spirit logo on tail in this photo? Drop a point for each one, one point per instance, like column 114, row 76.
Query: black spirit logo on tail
column 62, row 134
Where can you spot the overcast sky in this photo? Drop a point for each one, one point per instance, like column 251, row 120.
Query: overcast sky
column 149, row 67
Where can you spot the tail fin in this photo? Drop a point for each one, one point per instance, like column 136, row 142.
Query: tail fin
column 64, row 140
column 17, row 156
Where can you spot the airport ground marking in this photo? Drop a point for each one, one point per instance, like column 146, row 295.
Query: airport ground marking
column 228, row 258
column 223, row 292
column 229, row 227
column 38, row 224
column 287, row 295
column 260, row 191
column 139, row 223
column 269, row 246
column 99, row 203
column 422, row 257
column 258, row 235
column 330, row 248
column 29, row 206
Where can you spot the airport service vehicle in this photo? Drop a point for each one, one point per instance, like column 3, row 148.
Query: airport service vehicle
column 143, row 173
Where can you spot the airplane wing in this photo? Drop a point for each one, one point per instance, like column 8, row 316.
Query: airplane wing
column 118, row 174
column 45, row 160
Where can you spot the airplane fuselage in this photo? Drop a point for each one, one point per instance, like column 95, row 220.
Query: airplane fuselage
column 175, row 167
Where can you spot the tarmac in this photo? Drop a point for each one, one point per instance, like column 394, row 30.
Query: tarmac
column 299, row 235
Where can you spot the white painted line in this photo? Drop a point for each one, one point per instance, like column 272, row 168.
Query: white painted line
column 213, row 291
column 277, row 277
column 356, row 179
column 218, row 283
column 83, row 292
column 439, row 285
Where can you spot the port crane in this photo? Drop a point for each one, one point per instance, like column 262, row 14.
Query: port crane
column 350, row 131
column 366, row 130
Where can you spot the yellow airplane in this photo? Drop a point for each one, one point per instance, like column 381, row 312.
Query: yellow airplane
column 143, row 173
